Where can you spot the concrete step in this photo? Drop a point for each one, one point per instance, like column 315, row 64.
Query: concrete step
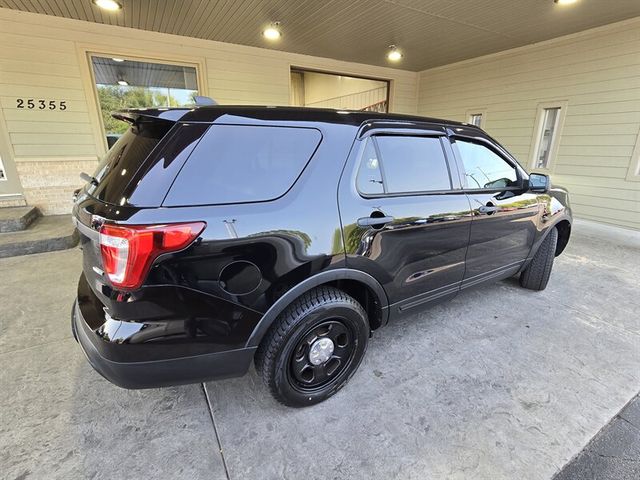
column 13, row 219
column 45, row 234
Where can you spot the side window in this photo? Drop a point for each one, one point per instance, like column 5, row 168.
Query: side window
column 403, row 164
column 243, row 163
column 369, row 179
column 483, row 168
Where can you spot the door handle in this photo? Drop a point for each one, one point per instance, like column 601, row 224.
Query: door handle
column 488, row 209
column 374, row 221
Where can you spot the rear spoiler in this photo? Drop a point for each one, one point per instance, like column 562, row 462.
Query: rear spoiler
column 135, row 115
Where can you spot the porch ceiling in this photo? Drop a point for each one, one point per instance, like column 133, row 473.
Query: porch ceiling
column 429, row 32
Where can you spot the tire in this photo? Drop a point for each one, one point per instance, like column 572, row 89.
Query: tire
column 289, row 355
column 536, row 275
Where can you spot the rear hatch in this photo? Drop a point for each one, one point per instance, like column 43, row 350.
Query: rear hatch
column 107, row 197
column 113, row 178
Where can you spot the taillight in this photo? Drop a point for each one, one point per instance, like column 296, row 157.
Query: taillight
column 128, row 252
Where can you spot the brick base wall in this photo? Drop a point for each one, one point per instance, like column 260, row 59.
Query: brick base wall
column 49, row 185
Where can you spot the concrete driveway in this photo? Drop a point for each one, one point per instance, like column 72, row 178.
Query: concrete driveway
column 500, row 383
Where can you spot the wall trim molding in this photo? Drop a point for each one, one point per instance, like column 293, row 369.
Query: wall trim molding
column 59, row 159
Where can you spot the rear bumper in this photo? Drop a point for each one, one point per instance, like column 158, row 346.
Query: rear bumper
column 159, row 372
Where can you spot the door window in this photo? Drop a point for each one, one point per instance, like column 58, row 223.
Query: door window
column 369, row 178
column 403, row 164
column 483, row 168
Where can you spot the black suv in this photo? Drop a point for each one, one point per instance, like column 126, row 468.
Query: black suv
column 215, row 236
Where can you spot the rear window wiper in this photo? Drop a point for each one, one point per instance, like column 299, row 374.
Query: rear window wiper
column 88, row 178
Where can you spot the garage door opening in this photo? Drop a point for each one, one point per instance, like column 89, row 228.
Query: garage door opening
column 328, row 90
column 124, row 83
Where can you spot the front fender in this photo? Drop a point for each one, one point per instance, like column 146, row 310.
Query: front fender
column 555, row 211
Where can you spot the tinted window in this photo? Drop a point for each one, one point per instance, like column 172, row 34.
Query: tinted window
column 233, row 164
column 405, row 164
column 369, row 178
column 122, row 161
column 484, row 168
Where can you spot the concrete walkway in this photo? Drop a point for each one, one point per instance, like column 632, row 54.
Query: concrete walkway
column 500, row 383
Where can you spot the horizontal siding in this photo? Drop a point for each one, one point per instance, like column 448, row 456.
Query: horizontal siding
column 41, row 58
column 597, row 73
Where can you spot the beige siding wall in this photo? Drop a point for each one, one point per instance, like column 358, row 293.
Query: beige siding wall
column 45, row 57
column 597, row 73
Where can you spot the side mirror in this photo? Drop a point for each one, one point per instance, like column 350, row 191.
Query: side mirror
column 538, row 182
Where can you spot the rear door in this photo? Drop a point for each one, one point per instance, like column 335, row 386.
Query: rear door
column 405, row 219
column 505, row 215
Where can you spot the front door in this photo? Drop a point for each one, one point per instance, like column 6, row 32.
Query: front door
column 9, row 181
column 505, row 216
column 405, row 219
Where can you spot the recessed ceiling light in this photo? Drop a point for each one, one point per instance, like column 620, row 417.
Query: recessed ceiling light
column 394, row 54
column 118, row 59
column 123, row 83
column 564, row 2
column 110, row 5
column 272, row 32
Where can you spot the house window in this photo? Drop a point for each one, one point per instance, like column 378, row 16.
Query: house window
column 547, row 136
column 125, row 83
column 633, row 173
column 475, row 119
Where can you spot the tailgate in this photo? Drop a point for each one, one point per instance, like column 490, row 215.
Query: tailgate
column 91, row 257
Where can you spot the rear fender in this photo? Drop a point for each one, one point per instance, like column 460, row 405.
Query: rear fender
column 320, row 279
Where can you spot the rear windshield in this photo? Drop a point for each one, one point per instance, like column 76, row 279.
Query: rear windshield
column 122, row 161
column 243, row 163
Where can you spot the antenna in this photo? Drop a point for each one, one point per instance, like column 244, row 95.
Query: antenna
column 202, row 100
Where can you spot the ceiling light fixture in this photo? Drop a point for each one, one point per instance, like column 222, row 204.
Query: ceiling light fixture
column 118, row 59
column 394, row 54
column 123, row 83
column 110, row 5
column 564, row 2
column 272, row 32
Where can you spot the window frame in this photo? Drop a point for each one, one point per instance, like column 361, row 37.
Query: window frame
column 520, row 173
column 446, row 151
column 557, row 134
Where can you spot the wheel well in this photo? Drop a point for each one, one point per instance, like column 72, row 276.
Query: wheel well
column 365, row 296
column 564, row 232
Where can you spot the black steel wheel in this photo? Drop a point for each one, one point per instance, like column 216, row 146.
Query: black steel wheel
column 321, row 355
column 314, row 347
